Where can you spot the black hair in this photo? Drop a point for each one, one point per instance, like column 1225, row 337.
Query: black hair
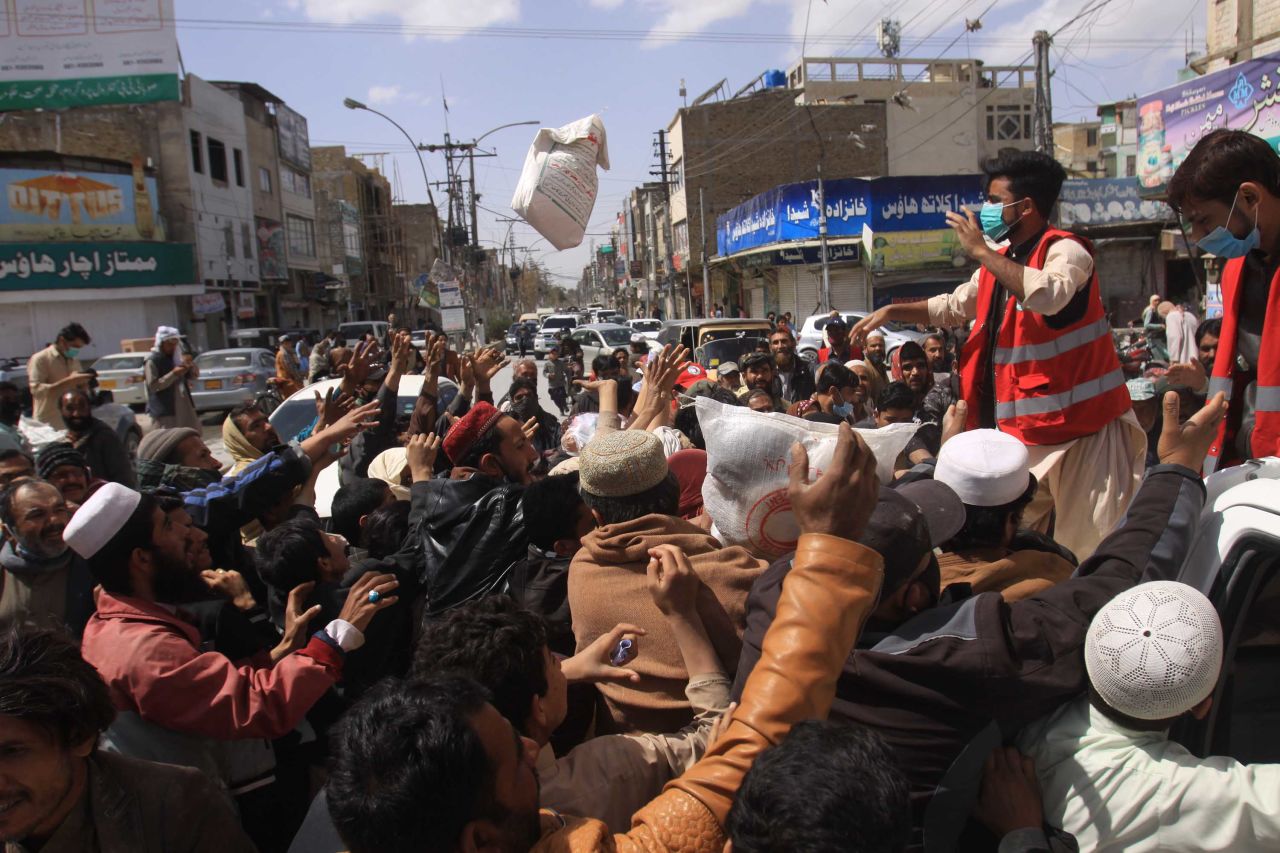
column 897, row 395
column 662, row 499
column 912, row 350
column 489, row 442
column 603, row 362
column 11, row 452
column 1212, row 326
column 1031, row 175
column 984, row 526
column 74, row 332
column 44, row 681
column 385, row 529
column 407, row 771
column 74, row 392
column 357, row 498
column 287, row 554
column 783, row 330
column 110, row 565
column 495, row 641
column 550, row 508
column 9, row 493
column 756, row 358
column 686, row 419
column 836, row 375
column 245, row 408
column 827, row 788
column 522, row 384
column 1219, row 163
column 9, row 386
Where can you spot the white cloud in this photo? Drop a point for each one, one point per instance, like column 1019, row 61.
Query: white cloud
column 384, row 94
column 415, row 13
column 606, row 4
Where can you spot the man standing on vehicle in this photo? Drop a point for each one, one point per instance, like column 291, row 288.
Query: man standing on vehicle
column 1227, row 192
column 54, row 370
column 1040, row 363
column 794, row 381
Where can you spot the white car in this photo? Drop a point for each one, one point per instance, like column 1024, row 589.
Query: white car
column 810, row 339
column 601, row 339
column 299, row 411
column 646, row 327
column 553, row 328
column 123, row 374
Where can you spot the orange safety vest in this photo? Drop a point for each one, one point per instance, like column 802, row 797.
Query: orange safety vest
column 1265, row 440
column 1051, row 385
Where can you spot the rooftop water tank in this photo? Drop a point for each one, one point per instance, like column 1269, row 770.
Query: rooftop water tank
column 774, row 79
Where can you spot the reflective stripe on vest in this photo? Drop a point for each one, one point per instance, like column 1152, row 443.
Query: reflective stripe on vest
column 1055, row 402
column 1219, row 384
column 1050, row 349
column 1268, row 399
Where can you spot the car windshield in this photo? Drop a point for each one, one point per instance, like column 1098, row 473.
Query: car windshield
column 128, row 362
column 356, row 330
column 552, row 323
column 215, row 360
column 647, row 325
column 616, row 337
column 717, row 352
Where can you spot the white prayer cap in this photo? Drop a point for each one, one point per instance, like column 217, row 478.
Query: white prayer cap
column 985, row 467
column 1154, row 652
column 100, row 518
column 166, row 333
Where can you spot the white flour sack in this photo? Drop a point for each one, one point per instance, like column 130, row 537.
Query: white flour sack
column 748, row 456
column 558, row 185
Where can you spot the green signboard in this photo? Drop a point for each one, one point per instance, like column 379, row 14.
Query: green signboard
column 65, row 266
column 93, row 92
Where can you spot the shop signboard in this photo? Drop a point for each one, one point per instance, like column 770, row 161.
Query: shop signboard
column 44, row 204
column 58, row 266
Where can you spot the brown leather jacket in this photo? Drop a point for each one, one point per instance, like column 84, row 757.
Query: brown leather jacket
column 825, row 600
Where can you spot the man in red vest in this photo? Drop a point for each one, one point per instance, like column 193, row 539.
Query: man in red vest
column 1039, row 363
column 1227, row 194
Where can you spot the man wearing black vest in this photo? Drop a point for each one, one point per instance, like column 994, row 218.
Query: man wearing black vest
column 169, row 372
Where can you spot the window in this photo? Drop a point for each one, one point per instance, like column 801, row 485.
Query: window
column 1091, row 166
column 302, row 236
column 1130, row 166
column 1091, row 137
column 1008, row 122
column 217, row 160
column 237, row 160
column 295, row 182
column 680, row 237
column 197, row 153
column 246, row 238
column 228, row 241
column 677, row 175
column 264, row 180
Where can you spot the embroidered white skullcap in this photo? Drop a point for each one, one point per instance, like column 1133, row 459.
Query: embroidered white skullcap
column 100, row 518
column 1154, row 652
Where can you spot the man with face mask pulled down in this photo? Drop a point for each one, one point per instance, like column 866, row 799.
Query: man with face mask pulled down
column 1227, row 194
column 1040, row 363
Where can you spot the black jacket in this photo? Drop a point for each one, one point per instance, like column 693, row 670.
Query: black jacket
column 540, row 582
column 803, row 385
column 471, row 533
column 943, row 677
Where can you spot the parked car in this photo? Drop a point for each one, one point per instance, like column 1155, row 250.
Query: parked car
column 646, row 327
column 601, row 339
column 267, row 337
column 299, row 411
column 811, row 340
column 115, row 415
column 552, row 330
column 229, row 377
column 123, row 375
column 355, row 332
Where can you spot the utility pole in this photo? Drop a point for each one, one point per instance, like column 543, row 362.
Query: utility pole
column 822, row 244
column 1043, row 125
column 706, row 276
column 660, row 150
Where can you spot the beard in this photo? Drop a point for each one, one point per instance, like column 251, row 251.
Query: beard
column 78, row 424
column 176, row 581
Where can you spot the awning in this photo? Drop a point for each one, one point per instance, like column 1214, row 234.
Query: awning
column 839, row 250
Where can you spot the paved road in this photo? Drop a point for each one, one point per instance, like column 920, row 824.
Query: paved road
column 211, row 422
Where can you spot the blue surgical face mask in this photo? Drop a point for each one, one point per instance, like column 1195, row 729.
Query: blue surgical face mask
column 842, row 410
column 992, row 219
column 1223, row 244
column 72, row 352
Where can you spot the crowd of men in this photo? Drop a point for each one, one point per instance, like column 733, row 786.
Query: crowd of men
column 521, row 631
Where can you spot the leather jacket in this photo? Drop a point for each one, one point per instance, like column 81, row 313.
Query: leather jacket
column 472, row 534
column 825, row 601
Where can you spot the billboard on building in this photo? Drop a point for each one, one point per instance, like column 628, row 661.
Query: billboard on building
column 1107, row 201
column 887, row 251
column 42, row 204
column 61, row 266
column 56, row 54
column 272, row 262
column 295, row 144
column 1172, row 120
column 791, row 212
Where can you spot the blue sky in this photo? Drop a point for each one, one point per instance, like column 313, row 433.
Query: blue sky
column 313, row 53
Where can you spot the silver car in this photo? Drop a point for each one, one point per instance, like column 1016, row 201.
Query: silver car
column 229, row 377
column 122, row 374
column 811, row 339
column 601, row 339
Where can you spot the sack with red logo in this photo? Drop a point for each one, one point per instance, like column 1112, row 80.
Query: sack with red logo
column 748, row 470
column 558, row 186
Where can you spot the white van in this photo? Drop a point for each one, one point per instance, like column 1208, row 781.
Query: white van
column 353, row 333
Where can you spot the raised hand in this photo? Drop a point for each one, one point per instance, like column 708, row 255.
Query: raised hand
column 1010, row 795
column 331, row 406
column 296, row 617
column 353, row 422
column 954, row 421
column 592, row 663
column 841, row 501
column 1188, row 444
column 358, row 609
column 1188, row 374
column 867, row 325
column 435, row 354
column 421, row 452
column 530, row 428
column 401, row 347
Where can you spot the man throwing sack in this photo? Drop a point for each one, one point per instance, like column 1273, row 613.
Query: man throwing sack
column 1039, row 364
